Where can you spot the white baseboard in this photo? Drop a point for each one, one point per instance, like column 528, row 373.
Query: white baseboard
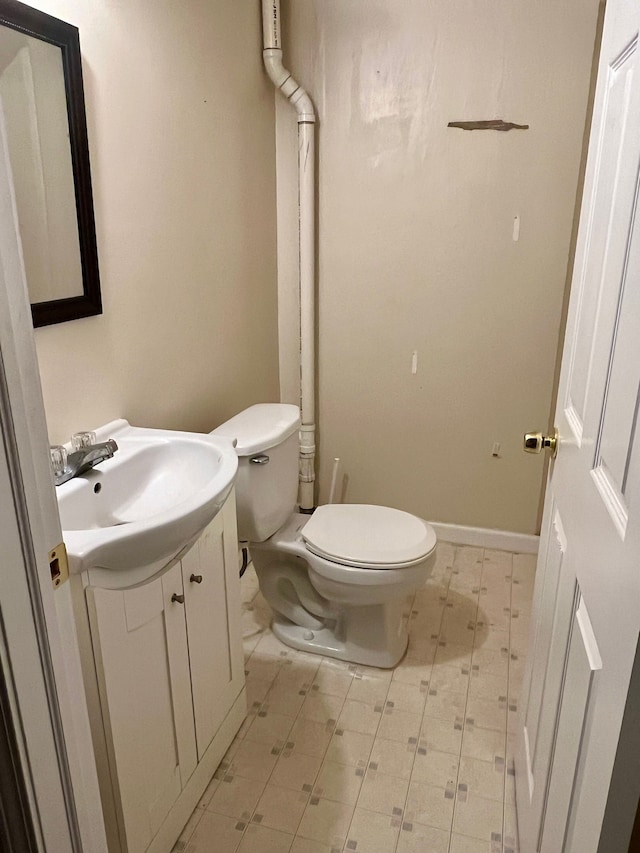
column 484, row 537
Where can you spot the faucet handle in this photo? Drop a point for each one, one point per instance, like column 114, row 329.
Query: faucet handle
column 80, row 440
column 58, row 453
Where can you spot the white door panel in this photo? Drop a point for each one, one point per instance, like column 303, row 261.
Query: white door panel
column 586, row 617
column 38, row 644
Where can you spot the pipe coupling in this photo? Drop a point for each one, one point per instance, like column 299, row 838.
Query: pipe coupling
column 306, row 470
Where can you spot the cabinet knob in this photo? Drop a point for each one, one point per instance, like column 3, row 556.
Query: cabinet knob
column 178, row 598
column 196, row 578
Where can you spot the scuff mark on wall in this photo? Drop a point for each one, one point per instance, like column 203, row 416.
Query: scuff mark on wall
column 491, row 124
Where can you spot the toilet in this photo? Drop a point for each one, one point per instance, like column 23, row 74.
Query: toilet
column 338, row 579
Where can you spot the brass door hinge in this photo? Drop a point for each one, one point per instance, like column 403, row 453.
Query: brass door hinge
column 59, row 565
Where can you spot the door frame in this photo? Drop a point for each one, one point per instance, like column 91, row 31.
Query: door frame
column 38, row 644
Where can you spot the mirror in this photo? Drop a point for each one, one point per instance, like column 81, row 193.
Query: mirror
column 43, row 103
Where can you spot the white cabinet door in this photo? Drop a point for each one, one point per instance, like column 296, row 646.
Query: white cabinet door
column 212, row 600
column 140, row 648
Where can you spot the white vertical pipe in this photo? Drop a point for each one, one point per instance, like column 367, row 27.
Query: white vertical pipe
column 298, row 98
column 334, row 479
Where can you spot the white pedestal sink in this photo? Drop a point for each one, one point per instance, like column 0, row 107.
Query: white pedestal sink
column 146, row 504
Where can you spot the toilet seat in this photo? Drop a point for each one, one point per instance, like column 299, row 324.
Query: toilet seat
column 365, row 536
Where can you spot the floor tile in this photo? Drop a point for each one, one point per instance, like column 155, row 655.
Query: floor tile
column 383, row 794
column 423, row 646
column 487, row 713
column 406, row 697
column 358, row 717
column 412, row 671
column 326, row 821
column 441, row 735
column 483, row 778
column 371, row 672
column 260, row 839
column 257, row 691
column 478, row 817
column 236, row 798
column 463, row 844
column 490, row 661
column 449, row 679
column 352, row 748
column 492, row 639
column 306, row 845
column 296, row 771
column 216, row 834
column 282, row 700
column 459, row 632
column 322, row 708
column 436, row 768
column 417, row 838
column 339, row 782
column 296, row 675
column 487, row 686
column 371, row 832
column 430, row 806
column 392, row 758
column 279, row 808
column 370, row 691
column 271, row 645
column 254, row 761
column 444, row 704
column 495, row 613
column 310, row 737
column 485, row 744
column 453, row 654
column 332, row 680
column 262, row 667
column 269, row 727
column 399, row 725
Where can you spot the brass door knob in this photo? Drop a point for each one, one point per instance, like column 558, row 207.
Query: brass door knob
column 536, row 442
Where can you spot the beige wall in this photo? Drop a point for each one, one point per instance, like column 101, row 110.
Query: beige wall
column 416, row 248
column 180, row 121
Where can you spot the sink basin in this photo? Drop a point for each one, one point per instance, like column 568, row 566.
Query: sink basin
column 144, row 505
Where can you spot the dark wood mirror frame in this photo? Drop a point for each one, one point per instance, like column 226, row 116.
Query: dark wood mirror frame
column 41, row 26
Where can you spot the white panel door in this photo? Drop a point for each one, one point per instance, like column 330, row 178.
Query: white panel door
column 44, row 693
column 139, row 638
column 212, row 600
column 586, row 607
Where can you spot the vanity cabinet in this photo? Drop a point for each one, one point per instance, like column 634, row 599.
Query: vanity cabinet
column 167, row 671
column 214, row 631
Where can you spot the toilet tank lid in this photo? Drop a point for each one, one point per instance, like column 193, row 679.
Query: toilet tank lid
column 260, row 427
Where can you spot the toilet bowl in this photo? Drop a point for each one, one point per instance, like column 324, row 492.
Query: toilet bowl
column 337, row 580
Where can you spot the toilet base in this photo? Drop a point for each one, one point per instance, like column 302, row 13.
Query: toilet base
column 374, row 636
column 360, row 616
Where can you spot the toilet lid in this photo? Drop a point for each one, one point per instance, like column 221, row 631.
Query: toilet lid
column 368, row 536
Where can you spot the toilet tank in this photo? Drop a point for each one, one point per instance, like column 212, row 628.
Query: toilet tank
column 267, row 480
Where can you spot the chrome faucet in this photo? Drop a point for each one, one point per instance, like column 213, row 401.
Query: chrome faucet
column 82, row 460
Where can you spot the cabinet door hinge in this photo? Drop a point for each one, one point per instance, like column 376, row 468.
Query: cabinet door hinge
column 59, row 565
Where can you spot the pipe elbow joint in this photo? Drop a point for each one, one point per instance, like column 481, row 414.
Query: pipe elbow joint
column 278, row 74
column 284, row 82
column 303, row 105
